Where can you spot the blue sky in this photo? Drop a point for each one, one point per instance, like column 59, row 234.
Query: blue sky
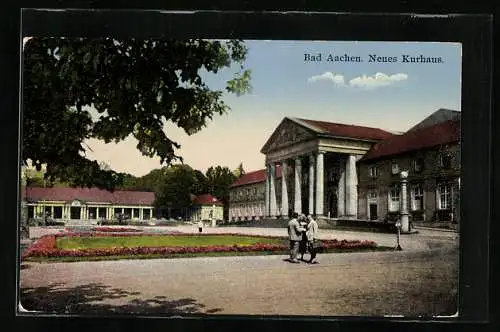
column 403, row 95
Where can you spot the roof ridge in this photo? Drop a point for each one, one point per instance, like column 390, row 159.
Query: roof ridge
column 344, row 124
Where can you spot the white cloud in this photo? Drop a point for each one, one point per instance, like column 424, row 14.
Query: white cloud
column 376, row 81
column 337, row 79
column 365, row 82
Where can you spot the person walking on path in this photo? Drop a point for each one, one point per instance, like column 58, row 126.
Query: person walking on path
column 303, row 246
column 200, row 226
column 311, row 234
column 295, row 236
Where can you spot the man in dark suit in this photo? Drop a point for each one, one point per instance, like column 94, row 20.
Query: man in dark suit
column 295, row 236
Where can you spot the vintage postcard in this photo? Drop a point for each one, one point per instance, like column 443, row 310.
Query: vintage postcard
column 240, row 177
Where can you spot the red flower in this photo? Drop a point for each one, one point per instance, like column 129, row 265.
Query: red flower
column 46, row 246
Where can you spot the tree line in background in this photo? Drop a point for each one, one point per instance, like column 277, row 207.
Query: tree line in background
column 174, row 186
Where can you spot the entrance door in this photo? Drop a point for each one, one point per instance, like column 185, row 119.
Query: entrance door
column 373, row 211
column 332, row 205
column 75, row 212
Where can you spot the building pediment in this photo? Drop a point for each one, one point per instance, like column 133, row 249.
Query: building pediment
column 287, row 133
column 76, row 203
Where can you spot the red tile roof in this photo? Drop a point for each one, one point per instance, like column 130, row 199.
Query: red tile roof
column 350, row 131
column 90, row 195
column 206, row 199
column 443, row 133
column 254, row 177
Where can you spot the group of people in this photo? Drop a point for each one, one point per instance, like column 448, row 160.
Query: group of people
column 302, row 232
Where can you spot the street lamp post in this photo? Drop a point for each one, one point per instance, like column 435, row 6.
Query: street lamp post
column 404, row 218
column 213, row 212
column 403, row 221
column 398, row 245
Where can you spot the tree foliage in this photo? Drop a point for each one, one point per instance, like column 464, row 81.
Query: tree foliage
column 136, row 86
column 239, row 171
column 173, row 194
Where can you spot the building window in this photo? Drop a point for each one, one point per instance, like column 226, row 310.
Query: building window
column 136, row 214
column 395, row 168
column 394, row 199
column 417, row 198
column 372, row 194
column 102, row 213
column 445, row 160
column 92, row 213
column 444, row 196
column 418, row 165
column 305, row 178
column 373, row 171
column 146, row 214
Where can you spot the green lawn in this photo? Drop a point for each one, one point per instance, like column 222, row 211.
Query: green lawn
column 100, row 242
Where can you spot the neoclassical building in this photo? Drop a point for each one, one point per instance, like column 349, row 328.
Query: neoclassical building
column 327, row 169
column 311, row 168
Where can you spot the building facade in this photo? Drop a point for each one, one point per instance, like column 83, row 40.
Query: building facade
column 311, row 168
column 350, row 172
column 88, row 204
column 206, row 208
column 248, row 196
column 431, row 156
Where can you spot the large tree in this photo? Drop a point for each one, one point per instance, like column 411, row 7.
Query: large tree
column 219, row 180
column 136, row 86
column 201, row 185
column 173, row 193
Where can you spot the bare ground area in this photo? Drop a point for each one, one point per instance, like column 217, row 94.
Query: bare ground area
column 410, row 283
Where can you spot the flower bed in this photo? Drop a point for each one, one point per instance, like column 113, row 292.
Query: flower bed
column 46, row 246
column 116, row 229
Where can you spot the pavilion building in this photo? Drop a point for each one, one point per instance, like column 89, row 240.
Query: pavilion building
column 88, row 204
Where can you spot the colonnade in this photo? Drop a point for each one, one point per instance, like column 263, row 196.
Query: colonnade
column 347, row 191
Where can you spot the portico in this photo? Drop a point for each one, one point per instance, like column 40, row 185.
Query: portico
column 318, row 167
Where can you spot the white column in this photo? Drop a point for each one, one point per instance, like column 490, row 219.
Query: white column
column 351, row 187
column 298, row 188
column 405, row 224
column 341, row 191
column 272, row 192
column 284, row 189
column 320, row 182
column 141, row 214
column 311, row 184
column 267, row 208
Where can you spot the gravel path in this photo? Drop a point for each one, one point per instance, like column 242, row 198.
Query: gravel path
column 421, row 280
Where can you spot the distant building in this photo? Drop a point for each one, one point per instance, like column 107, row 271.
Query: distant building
column 206, row 208
column 90, row 204
column 247, row 195
column 340, row 171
